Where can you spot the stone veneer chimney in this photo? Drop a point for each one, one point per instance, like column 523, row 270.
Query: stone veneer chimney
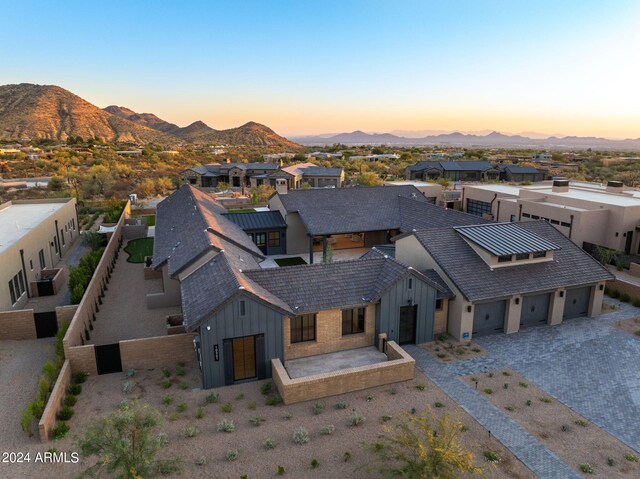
column 560, row 186
column 281, row 186
column 615, row 186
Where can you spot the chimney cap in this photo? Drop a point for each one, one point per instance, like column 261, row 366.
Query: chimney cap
column 615, row 183
column 560, row 182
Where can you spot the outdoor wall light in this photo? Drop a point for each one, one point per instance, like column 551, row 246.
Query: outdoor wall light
column 469, row 309
column 562, row 294
column 517, row 300
column 601, row 287
column 208, row 328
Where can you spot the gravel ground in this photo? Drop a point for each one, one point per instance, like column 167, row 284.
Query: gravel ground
column 581, row 443
column 452, row 350
column 102, row 395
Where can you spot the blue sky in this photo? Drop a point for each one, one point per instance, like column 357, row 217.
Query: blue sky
column 567, row 67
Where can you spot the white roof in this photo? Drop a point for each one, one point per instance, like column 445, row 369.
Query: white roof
column 507, row 189
column 595, row 196
column 16, row 221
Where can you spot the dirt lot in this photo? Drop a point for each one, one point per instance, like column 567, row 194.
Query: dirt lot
column 102, row 395
column 631, row 326
column 566, row 433
column 452, row 350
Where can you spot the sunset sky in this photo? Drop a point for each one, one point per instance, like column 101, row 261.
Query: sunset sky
column 304, row 67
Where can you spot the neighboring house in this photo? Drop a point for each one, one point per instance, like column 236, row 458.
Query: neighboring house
column 277, row 157
column 518, row 173
column 507, row 276
column 358, row 217
column 34, row 235
column 240, row 175
column 541, row 157
column 322, row 155
column 588, row 214
column 431, row 191
column 388, row 156
column 266, row 229
column 453, row 170
column 245, row 316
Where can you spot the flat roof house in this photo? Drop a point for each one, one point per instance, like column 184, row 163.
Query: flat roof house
column 247, row 318
column 587, row 213
column 507, row 276
column 453, row 170
column 34, row 235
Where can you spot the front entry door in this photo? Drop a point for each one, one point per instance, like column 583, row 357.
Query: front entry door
column 408, row 317
column 244, row 358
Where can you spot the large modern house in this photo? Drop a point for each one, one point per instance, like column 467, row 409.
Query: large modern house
column 252, row 175
column 472, row 171
column 588, row 214
column 34, row 235
column 436, row 270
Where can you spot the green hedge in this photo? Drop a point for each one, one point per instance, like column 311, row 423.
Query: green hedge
column 80, row 276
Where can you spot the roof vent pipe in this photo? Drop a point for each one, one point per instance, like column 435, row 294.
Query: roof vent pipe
column 615, row 186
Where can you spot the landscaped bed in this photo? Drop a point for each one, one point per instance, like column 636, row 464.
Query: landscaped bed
column 631, row 326
column 138, row 249
column 290, row 261
column 578, row 442
column 445, row 348
column 263, row 434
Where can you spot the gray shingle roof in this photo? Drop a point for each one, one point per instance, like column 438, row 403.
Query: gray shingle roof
column 437, row 279
column 347, row 210
column 316, row 287
column 258, row 220
column 189, row 223
column 250, row 166
column 451, row 166
column 215, row 283
column 506, row 239
column 419, row 215
column 519, row 169
column 570, row 266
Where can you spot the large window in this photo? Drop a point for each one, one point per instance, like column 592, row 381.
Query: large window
column 43, row 264
column 303, row 328
column 352, row 321
column 478, row 208
column 16, row 287
column 274, row 239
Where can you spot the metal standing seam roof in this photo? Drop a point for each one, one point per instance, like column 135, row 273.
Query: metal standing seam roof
column 258, row 220
column 321, row 171
column 505, row 239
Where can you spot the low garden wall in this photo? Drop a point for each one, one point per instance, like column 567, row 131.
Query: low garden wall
column 81, row 322
column 64, row 314
column 55, row 402
column 157, row 352
column 633, row 290
column 82, row 359
column 399, row 367
column 17, row 325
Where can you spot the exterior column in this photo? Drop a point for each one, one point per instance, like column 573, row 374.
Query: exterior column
column 512, row 323
column 595, row 301
column 557, row 307
column 310, row 249
column 324, row 248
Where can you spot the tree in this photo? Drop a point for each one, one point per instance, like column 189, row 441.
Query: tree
column 163, row 185
column 146, row 188
column 422, row 447
column 126, row 443
column 56, row 183
column 377, row 151
column 265, row 192
column 444, row 182
column 368, row 178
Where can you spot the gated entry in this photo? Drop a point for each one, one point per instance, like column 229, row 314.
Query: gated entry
column 108, row 358
column 46, row 324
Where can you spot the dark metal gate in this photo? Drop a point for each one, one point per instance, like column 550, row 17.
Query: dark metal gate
column 45, row 287
column 108, row 358
column 46, row 324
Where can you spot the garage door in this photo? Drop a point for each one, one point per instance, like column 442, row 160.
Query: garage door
column 576, row 303
column 535, row 310
column 488, row 318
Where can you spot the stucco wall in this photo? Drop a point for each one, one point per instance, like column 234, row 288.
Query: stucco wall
column 55, row 402
column 160, row 351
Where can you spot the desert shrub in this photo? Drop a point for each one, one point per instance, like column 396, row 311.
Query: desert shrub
column 586, row 468
column 50, row 370
column 386, row 418
column 491, row 456
column 545, row 399
column 166, row 383
column 74, row 389
column 166, row 372
column 123, row 405
column 166, row 399
column 79, row 378
column 564, row 428
column 212, row 398
column 281, row 471
column 199, row 413
column 318, row 408
column 506, row 373
column 581, row 423
column 26, row 418
column 488, row 391
column 183, row 385
column 60, row 430
column 273, row 400
column 625, row 298
column 265, row 389
column 180, row 371
column 300, row 436
column 442, row 337
column 201, row 461
column 522, row 384
column 420, row 387
column 314, row 463
column 191, row 431
column 127, row 387
column 182, row 407
column 369, row 398
column 232, row 455
column 226, row 425
column 251, row 405
column 631, row 457
column 510, row 408
column 505, row 386
column 269, row 444
column 257, row 421
column 636, row 303
column 438, row 404
column 393, row 391
column 615, row 294
column 356, row 419
column 240, row 397
column 528, row 403
column 228, row 407
column 327, row 430
column 340, row 405
column 130, row 372
column 65, row 413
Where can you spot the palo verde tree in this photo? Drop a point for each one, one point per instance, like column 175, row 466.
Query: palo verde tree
column 126, row 443
column 422, row 447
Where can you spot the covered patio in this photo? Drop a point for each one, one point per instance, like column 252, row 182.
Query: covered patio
column 327, row 363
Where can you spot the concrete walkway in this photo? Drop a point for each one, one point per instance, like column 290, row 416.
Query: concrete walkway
column 523, row 445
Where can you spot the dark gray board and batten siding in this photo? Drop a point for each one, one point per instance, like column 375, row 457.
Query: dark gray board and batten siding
column 228, row 324
column 388, row 311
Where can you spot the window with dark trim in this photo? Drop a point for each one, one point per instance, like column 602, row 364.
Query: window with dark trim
column 352, row 321
column 522, row 256
column 243, row 308
column 526, row 215
column 31, row 264
column 274, row 239
column 438, row 304
column 478, row 208
column 410, row 283
column 16, row 287
column 505, row 258
column 539, row 254
column 43, row 264
column 303, row 328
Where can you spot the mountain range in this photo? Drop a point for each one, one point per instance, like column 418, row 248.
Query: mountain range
column 30, row 111
column 470, row 140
